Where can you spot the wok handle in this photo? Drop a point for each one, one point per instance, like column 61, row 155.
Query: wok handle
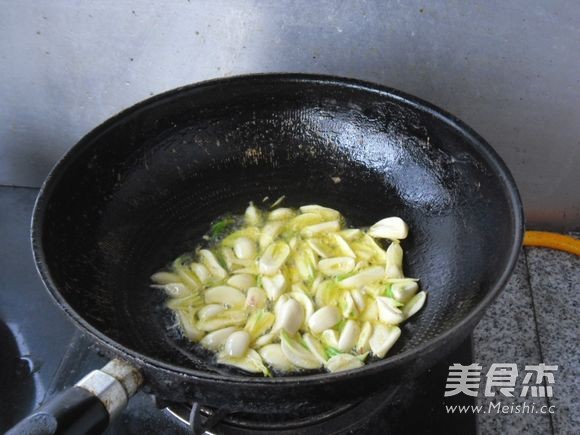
column 88, row 406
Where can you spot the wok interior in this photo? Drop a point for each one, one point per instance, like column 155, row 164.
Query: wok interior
column 142, row 189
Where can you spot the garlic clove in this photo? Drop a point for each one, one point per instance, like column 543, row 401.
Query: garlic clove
column 273, row 356
column 366, row 276
column 404, row 291
column 237, row 344
column 336, row 266
column 274, row 285
column 393, row 228
column 415, row 304
column 348, row 336
column 383, row 339
column 273, row 258
column 226, row 295
column 242, row 281
column 324, row 227
column 388, row 311
column 216, row 339
column 342, row 362
column 324, row 318
column 245, row 248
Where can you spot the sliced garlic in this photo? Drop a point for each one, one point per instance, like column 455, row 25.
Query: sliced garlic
column 216, row 339
column 281, row 213
column 324, row 318
column 348, row 336
column 393, row 228
column 252, row 233
column 350, row 234
column 200, row 271
column 343, row 246
column 223, row 320
column 297, row 354
column 189, row 328
column 305, row 262
column 363, row 252
column 279, row 304
column 259, row 322
column 226, row 295
column 304, row 300
column 209, row 311
column 304, row 220
column 291, row 317
column 210, row 262
column 329, row 338
column 347, row 305
column 273, row 356
column 404, row 291
column 314, row 287
column 325, row 212
column 383, row 338
column 269, row 233
column 265, row 339
column 336, row 266
column 292, row 243
column 394, row 265
column 163, row 278
column 362, row 344
column 227, row 254
column 323, row 227
column 273, row 258
column 255, row 297
column 388, row 311
column 315, row 347
column 377, row 252
column 245, row 248
column 175, row 290
column 234, row 298
column 328, row 293
column 359, row 299
column 415, row 304
column 185, row 274
column 237, row 344
column 251, row 362
column 274, row 285
column 242, row 281
column 342, row 362
column 252, row 216
column 366, row 276
column 251, row 269
column 319, row 248
column 371, row 312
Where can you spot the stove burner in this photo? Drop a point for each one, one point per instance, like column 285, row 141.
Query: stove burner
column 340, row 420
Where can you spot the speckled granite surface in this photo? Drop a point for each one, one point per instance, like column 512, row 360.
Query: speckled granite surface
column 535, row 320
column 507, row 334
column 555, row 282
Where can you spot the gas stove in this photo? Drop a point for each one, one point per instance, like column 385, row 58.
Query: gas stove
column 42, row 353
column 413, row 407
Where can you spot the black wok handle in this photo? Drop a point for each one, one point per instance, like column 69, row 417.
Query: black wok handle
column 87, row 407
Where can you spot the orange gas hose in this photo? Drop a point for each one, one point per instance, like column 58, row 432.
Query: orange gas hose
column 546, row 239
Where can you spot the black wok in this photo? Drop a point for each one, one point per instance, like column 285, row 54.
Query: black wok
column 141, row 189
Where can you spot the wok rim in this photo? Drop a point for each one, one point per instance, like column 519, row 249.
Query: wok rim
column 477, row 142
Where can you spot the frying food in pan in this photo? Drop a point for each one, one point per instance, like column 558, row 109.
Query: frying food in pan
column 293, row 289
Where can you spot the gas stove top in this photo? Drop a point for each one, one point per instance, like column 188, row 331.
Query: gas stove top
column 42, row 354
column 414, row 407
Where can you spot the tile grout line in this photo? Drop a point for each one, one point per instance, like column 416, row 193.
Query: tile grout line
column 529, row 282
